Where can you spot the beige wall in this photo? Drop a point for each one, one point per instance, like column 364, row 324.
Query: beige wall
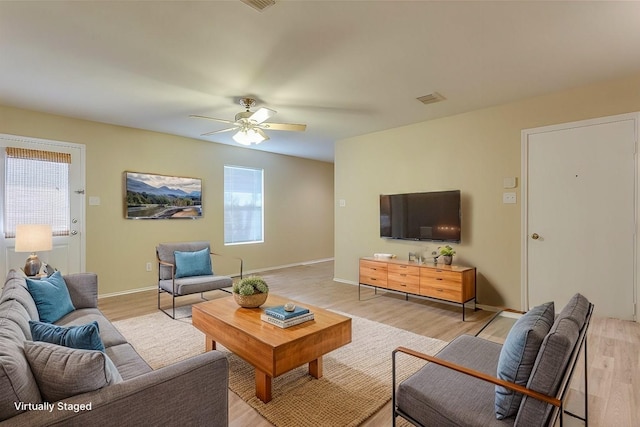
column 298, row 197
column 472, row 152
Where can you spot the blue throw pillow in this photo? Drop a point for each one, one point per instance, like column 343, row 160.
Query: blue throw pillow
column 51, row 297
column 518, row 355
column 84, row 337
column 196, row 263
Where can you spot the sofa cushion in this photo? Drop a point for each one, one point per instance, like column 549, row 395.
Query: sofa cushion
column 17, row 383
column 62, row 372
column 84, row 337
column 435, row 395
column 196, row 263
column 518, row 355
column 16, row 289
column 51, row 296
column 15, row 312
column 83, row 289
column 127, row 361
column 552, row 360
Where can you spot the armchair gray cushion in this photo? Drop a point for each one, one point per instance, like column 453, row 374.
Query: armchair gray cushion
column 552, row 360
column 518, row 355
column 434, row 396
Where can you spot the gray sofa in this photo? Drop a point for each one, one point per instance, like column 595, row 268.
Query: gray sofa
column 476, row 382
column 191, row 392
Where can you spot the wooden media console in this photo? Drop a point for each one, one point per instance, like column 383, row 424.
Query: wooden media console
column 451, row 283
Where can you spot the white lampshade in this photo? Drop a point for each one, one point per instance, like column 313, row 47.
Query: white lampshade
column 248, row 137
column 33, row 238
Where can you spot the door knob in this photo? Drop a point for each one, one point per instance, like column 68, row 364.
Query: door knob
column 535, row 236
column 74, row 232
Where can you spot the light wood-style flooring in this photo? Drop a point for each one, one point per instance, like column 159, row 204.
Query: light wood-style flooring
column 613, row 345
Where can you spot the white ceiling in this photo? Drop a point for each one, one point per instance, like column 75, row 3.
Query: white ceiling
column 344, row 68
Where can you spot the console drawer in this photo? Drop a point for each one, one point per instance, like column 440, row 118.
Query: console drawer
column 404, row 278
column 373, row 273
column 442, row 290
column 437, row 274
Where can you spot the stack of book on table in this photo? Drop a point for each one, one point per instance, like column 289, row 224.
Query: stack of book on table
column 280, row 317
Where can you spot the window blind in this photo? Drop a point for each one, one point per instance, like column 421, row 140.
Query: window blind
column 243, row 205
column 36, row 190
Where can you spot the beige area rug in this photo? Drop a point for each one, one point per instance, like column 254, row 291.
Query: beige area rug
column 356, row 381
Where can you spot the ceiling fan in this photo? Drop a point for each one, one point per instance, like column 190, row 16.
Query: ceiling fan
column 251, row 125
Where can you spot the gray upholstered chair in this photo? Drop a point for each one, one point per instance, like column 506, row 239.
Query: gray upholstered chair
column 186, row 268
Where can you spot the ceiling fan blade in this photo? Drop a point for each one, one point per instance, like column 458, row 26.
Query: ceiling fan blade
column 218, row 131
column 284, row 126
column 262, row 134
column 211, row 118
column 262, row 114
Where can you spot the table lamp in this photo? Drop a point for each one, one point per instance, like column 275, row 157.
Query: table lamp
column 33, row 238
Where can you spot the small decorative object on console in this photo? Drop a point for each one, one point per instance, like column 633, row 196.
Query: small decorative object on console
column 289, row 306
column 383, row 256
column 447, row 253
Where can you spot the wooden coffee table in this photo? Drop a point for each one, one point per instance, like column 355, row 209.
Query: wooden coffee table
column 271, row 350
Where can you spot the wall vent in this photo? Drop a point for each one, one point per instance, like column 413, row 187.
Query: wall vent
column 259, row 5
column 431, row 98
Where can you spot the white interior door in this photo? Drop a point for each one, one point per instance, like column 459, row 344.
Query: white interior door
column 68, row 253
column 579, row 214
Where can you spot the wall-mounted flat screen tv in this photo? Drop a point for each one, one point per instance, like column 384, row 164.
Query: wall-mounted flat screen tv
column 434, row 216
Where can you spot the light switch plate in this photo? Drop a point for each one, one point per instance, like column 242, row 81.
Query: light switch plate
column 509, row 182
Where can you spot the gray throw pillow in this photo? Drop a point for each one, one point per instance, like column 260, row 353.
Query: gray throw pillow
column 62, row 372
column 518, row 356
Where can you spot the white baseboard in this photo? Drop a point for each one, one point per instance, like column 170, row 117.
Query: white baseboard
column 131, row 291
column 348, row 282
column 154, row 287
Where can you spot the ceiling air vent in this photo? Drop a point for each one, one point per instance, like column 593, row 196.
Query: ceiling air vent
column 431, row 98
column 259, row 5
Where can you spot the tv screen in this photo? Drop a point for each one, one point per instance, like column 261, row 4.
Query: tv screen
column 421, row 216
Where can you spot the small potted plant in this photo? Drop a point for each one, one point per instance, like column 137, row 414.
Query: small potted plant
column 447, row 253
column 250, row 292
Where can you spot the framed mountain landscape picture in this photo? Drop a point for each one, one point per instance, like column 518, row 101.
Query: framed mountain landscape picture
column 150, row 196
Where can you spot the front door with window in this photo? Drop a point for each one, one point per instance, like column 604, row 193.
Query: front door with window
column 42, row 182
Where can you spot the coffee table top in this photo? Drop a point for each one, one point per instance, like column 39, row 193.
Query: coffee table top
column 227, row 311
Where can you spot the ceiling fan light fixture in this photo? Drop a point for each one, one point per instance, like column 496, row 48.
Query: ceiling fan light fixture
column 248, row 137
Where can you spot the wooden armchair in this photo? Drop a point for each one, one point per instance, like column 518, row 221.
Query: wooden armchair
column 186, row 268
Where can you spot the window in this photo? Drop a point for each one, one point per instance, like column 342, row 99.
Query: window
column 243, row 205
column 36, row 190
